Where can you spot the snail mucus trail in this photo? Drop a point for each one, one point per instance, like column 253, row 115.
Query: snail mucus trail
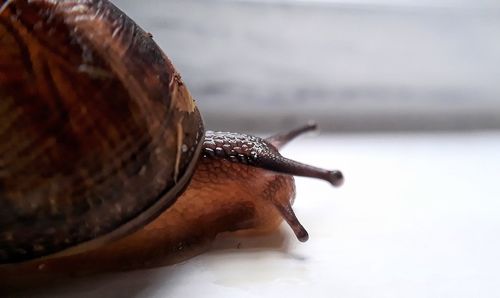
column 104, row 161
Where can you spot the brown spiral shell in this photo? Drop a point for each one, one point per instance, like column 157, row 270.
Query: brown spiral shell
column 98, row 134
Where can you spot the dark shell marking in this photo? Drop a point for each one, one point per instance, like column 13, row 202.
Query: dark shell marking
column 99, row 135
column 92, row 116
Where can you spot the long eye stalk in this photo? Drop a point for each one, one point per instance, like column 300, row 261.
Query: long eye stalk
column 277, row 163
column 263, row 153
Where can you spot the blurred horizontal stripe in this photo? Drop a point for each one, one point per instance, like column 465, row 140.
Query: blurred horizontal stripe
column 352, row 66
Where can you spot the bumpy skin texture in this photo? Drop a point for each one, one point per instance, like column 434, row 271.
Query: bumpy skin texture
column 98, row 134
column 223, row 196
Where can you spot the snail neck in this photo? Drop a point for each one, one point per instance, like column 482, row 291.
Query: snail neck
column 250, row 154
column 263, row 153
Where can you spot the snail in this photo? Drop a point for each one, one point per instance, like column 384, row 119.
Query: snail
column 104, row 158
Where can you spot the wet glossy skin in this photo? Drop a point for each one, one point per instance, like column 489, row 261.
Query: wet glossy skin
column 225, row 195
column 98, row 138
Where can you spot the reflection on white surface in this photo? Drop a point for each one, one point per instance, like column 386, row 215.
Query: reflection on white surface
column 417, row 217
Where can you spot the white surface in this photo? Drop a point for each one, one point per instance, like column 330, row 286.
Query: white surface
column 417, row 217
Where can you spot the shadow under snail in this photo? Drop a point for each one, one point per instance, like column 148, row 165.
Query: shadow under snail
column 104, row 160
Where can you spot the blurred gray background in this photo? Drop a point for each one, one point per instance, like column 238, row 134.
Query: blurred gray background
column 361, row 65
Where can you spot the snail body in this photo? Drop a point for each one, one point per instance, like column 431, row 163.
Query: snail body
column 104, row 160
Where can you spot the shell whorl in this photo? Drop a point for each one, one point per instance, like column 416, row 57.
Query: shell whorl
column 93, row 117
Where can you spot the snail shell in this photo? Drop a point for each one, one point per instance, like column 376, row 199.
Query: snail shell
column 103, row 154
column 98, row 134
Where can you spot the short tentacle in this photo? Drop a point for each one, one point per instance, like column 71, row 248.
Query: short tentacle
column 263, row 153
column 287, row 213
